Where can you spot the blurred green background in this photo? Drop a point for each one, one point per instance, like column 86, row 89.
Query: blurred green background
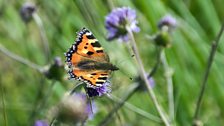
column 24, row 89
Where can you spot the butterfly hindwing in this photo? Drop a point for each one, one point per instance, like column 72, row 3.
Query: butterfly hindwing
column 91, row 78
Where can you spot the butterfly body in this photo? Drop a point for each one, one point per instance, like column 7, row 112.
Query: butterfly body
column 87, row 60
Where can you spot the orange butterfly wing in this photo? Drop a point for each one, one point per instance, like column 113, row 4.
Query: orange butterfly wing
column 87, row 48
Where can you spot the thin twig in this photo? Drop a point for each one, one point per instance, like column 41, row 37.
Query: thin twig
column 207, row 70
column 20, row 59
column 169, row 80
column 45, row 42
column 144, row 77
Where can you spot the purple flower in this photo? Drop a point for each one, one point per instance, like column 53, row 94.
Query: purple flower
column 168, row 21
column 117, row 21
column 99, row 91
column 75, row 108
column 91, row 108
column 151, row 81
column 26, row 11
column 141, row 82
column 41, row 123
column 166, row 25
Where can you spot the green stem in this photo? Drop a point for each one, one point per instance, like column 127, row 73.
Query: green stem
column 207, row 70
column 169, row 80
column 20, row 59
column 129, row 94
column 3, row 104
column 45, row 42
column 136, row 109
column 144, row 77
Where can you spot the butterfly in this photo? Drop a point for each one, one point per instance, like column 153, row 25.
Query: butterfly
column 87, row 61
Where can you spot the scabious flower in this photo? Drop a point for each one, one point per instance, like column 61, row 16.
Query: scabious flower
column 151, row 81
column 41, row 123
column 26, row 11
column 55, row 70
column 168, row 21
column 75, row 108
column 166, row 25
column 117, row 21
column 99, row 91
column 141, row 82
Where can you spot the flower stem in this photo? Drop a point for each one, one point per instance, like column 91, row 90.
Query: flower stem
column 39, row 22
column 3, row 104
column 20, row 59
column 142, row 72
column 169, row 80
column 137, row 110
column 122, row 101
column 207, row 70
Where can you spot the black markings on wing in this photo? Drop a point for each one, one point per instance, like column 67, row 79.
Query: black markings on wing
column 102, row 78
column 99, row 51
column 96, row 44
column 90, row 36
column 100, row 82
column 90, row 53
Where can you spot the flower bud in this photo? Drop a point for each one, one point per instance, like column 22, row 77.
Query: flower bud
column 26, row 11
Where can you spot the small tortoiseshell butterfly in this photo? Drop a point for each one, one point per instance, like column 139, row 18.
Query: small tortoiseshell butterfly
column 87, row 60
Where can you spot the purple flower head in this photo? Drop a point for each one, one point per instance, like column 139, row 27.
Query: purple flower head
column 75, row 108
column 151, row 81
column 26, row 11
column 117, row 21
column 91, row 108
column 141, row 82
column 99, row 91
column 40, row 123
column 168, row 21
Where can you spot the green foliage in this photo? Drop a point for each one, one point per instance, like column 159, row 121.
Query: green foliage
column 24, row 89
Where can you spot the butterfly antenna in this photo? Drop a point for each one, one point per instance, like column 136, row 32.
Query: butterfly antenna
column 131, row 78
column 122, row 71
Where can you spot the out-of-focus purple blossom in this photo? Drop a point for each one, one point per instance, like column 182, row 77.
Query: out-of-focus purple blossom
column 166, row 25
column 72, row 109
column 142, row 86
column 117, row 21
column 151, row 81
column 57, row 61
column 99, row 91
column 168, row 21
column 26, row 11
column 55, row 71
column 41, row 123
column 91, row 107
